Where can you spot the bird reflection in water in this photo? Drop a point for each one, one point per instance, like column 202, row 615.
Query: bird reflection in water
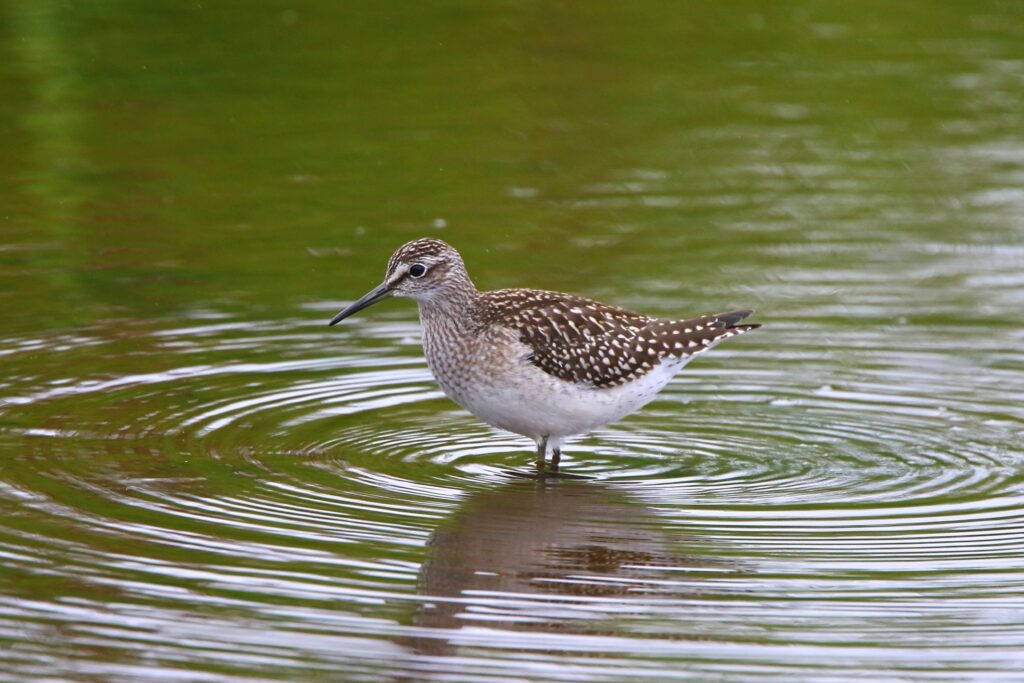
column 571, row 557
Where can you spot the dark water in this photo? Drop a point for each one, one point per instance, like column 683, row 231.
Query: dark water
column 199, row 481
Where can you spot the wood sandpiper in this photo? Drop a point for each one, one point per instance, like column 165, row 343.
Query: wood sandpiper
column 542, row 364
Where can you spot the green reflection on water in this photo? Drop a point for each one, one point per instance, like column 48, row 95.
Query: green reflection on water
column 162, row 152
column 852, row 170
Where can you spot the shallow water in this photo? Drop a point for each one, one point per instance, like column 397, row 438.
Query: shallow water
column 200, row 481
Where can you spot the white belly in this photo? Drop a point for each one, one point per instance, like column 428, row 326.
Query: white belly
column 517, row 396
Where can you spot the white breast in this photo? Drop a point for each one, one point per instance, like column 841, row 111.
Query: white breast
column 509, row 392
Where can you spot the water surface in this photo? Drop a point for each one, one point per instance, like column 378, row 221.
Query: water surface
column 200, row 481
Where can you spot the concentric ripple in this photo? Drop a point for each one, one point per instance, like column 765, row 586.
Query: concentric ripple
column 192, row 505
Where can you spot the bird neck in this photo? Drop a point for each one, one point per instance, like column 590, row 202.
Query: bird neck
column 454, row 308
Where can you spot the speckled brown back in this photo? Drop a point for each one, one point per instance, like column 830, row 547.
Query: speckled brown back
column 585, row 341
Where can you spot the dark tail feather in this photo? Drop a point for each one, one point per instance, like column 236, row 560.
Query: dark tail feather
column 729, row 320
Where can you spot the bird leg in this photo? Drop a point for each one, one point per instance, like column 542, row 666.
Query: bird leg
column 556, row 455
column 542, row 452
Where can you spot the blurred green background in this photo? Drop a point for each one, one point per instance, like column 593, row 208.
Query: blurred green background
column 200, row 481
column 161, row 156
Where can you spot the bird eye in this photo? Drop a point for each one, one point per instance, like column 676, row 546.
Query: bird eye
column 418, row 270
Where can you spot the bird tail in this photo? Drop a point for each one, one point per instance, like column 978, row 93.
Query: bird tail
column 688, row 337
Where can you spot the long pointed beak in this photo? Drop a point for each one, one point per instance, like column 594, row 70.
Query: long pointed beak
column 379, row 293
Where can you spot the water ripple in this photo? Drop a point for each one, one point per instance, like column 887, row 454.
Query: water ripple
column 307, row 489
